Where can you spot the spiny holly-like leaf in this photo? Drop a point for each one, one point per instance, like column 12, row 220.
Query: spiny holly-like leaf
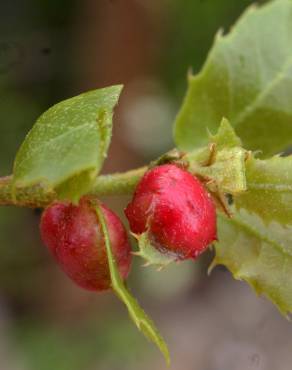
column 246, row 78
column 66, row 148
column 150, row 254
column 142, row 321
column 269, row 189
column 259, row 254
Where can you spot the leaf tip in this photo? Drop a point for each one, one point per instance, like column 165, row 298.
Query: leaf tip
column 190, row 74
column 213, row 264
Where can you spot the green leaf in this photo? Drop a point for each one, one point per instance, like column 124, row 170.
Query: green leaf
column 66, row 147
column 259, row 254
column 269, row 189
column 223, row 163
column 228, row 170
column 248, row 79
column 226, row 136
column 151, row 255
column 142, row 321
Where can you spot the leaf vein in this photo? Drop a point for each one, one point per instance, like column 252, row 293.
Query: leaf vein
column 250, row 108
column 260, row 235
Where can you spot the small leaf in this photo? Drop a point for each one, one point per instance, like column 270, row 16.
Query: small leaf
column 66, row 148
column 142, row 321
column 228, row 170
column 247, row 78
column 151, row 255
column 269, row 189
column 224, row 165
column 226, row 136
column 259, row 254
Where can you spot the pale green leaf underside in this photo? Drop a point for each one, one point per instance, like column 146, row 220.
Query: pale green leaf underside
column 142, row 321
column 258, row 254
column 225, row 136
column 223, row 162
column 269, row 189
column 228, row 170
column 68, row 144
column 247, row 78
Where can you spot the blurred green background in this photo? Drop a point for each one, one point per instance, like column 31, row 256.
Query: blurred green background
column 51, row 50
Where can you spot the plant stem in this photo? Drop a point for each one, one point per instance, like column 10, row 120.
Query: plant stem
column 36, row 197
column 118, row 183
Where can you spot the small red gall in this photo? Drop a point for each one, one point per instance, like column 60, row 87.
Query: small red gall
column 175, row 209
column 74, row 236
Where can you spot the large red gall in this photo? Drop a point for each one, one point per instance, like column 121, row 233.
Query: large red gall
column 176, row 211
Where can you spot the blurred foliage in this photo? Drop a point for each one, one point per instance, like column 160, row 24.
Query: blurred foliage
column 81, row 345
column 23, row 264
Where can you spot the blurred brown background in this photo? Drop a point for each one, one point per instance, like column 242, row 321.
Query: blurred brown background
column 51, row 50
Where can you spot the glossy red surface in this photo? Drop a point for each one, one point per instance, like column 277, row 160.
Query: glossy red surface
column 176, row 209
column 73, row 235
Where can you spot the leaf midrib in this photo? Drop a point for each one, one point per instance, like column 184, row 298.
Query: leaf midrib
column 251, row 107
column 57, row 137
